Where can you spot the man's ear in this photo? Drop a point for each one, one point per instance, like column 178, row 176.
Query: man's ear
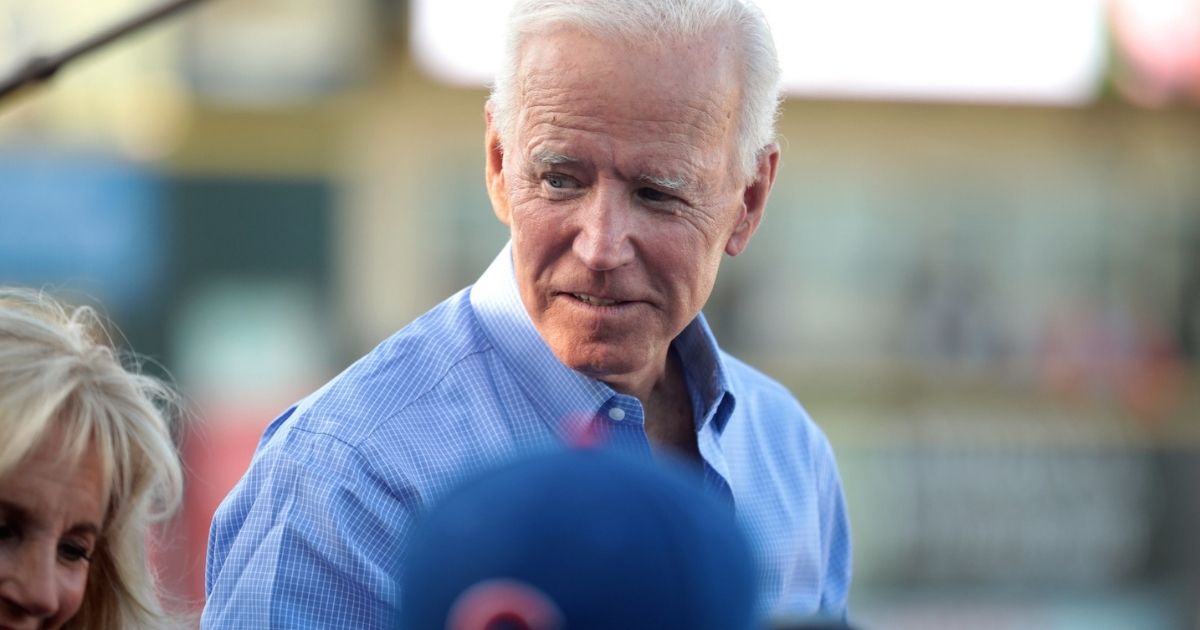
column 494, row 167
column 754, row 200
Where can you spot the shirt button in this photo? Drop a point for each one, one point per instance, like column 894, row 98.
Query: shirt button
column 616, row 413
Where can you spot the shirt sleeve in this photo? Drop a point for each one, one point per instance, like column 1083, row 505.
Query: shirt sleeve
column 835, row 536
column 309, row 538
column 818, row 588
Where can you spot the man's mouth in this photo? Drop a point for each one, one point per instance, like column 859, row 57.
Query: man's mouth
column 593, row 300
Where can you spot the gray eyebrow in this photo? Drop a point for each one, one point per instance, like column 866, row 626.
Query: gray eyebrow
column 670, row 183
column 674, row 184
column 546, row 156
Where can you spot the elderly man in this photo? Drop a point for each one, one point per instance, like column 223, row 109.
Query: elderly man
column 629, row 148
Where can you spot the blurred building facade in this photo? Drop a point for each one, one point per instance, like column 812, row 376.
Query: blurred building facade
column 992, row 309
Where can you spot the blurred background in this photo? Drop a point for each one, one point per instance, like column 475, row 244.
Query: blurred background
column 980, row 266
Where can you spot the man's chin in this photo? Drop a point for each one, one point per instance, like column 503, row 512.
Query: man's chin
column 604, row 362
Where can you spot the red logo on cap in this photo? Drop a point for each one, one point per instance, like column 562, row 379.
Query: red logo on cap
column 512, row 602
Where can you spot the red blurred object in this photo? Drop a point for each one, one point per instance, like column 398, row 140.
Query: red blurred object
column 1158, row 47
column 216, row 453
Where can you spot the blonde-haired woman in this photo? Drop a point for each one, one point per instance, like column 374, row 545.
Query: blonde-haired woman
column 86, row 464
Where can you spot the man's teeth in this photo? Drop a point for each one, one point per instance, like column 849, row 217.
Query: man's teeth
column 593, row 300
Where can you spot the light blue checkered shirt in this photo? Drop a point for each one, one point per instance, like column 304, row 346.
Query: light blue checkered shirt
column 310, row 536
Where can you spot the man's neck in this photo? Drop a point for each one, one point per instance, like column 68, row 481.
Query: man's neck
column 669, row 414
column 667, row 405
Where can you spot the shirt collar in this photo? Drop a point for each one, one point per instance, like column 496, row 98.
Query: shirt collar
column 567, row 398
column 707, row 376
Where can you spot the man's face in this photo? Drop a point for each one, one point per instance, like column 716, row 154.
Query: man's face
column 622, row 189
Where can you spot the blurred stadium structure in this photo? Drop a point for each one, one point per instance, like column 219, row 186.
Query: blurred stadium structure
column 980, row 269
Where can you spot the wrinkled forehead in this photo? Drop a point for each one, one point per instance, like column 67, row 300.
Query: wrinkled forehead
column 685, row 85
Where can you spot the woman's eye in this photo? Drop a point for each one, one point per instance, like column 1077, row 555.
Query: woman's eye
column 72, row 552
column 7, row 532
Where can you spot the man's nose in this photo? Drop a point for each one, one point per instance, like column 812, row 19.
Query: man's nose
column 32, row 586
column 602, row 242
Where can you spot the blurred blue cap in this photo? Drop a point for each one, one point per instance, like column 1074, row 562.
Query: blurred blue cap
column 579, row 539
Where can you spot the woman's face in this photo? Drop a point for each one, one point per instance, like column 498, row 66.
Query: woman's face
column 50, row 519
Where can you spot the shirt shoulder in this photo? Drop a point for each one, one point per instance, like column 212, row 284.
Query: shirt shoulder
column 772, row 415
column 790, row 495
column 308, row 521
column 308, row 538
column 397, row 374
column 427, row 405
column 746, row 379
column 753, row 388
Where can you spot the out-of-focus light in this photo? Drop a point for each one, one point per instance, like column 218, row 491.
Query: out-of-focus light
column 1159, row 41
column 149, row 117
column 85, row 222
column 124, row 98
column 975, row 50
column 460, row 52
column 277, row 53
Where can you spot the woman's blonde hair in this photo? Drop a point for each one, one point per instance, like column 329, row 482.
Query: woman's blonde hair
column 61, row 378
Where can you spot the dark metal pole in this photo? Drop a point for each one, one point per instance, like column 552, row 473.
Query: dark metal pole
column 42, row 67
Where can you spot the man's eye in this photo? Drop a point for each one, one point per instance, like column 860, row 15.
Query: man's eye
column 556, row 180
column 7, row 531
column 653, row 194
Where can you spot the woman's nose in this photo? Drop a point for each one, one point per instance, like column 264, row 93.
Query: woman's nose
column 31, row 587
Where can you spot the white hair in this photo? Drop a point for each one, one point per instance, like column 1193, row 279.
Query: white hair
column 658, row 21
column 61, row 379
